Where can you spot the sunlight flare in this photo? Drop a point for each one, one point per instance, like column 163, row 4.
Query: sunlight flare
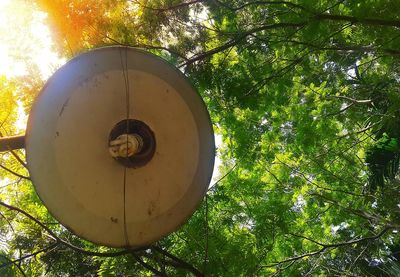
column 25, row 41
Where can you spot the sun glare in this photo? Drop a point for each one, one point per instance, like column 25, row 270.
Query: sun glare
column 25, row 46
column 25, row 40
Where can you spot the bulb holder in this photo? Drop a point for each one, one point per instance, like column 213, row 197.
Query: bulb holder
column 132, row 143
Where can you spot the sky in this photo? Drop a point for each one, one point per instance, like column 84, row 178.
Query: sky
column 25, row 39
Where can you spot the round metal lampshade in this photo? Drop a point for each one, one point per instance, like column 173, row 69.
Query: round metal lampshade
column 134, row 202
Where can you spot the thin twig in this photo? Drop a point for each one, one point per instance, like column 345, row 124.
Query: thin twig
column 51, row 246
column 327, row 247
column 15, row 173
column 223, row 177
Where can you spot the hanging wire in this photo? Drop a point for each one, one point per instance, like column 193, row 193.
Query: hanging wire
column 127, row 101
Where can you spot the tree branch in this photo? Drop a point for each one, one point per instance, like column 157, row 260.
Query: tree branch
column 16, row 264
column 347, row 48
column 169, row 8
column 15, row 142
column 15, row 173
column 370, row 126
column 18, row 159
column 175, row 261
column 148, row 47
column 238, row 39
column 367, row 101
column 147, row 266
column 303, row 175
column 289, row 4
column 328, row 247
column 306, row 238
column 179, row 262
column 8, row 222
column 324, row 16
column 375, row 219
column 340, row 111
column 358, row 20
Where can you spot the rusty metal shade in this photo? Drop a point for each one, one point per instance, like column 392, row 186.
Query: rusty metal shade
column 105, row 199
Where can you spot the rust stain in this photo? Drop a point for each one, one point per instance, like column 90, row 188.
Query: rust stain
column 151, row 208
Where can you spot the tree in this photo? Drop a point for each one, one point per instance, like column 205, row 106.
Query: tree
column 306, row 97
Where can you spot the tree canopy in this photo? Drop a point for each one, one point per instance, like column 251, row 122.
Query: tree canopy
column 306, row 97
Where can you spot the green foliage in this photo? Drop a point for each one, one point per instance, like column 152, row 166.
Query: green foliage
column 383, row 159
